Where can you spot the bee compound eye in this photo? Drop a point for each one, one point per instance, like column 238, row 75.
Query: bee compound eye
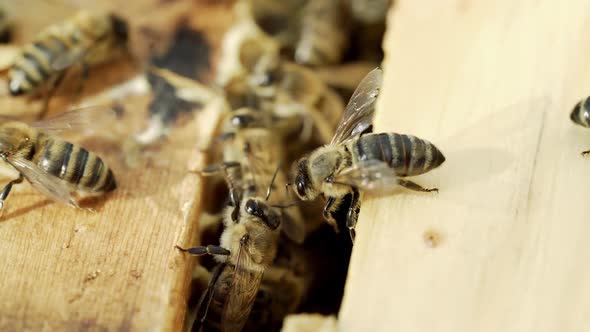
column 300, row 184
column 251, row 207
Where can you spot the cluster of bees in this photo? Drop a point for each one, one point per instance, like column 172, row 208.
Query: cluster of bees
column 283, row 127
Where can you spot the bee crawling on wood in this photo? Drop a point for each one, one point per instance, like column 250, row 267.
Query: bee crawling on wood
column 324, row 33
column 55, row 167
column 581, row 115
column 248, row 247
column 356, row 161
column 86, row 39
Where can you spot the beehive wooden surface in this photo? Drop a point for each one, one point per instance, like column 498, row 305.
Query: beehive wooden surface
column 503, row 246
column 117, row 268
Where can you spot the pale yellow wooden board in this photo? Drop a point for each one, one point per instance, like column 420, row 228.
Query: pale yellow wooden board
column 491, row 83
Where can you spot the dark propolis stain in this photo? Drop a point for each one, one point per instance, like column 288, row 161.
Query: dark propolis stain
column 165, row 103
column 188, row 56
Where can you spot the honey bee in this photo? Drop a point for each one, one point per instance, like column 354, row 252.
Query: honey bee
column 357, row 161
column 5, row 27
column 291, row 92
column 87, row 38
column 248, row 247
column 581, row 115
column 55, row 167
column 250, row 150
column 324, row 33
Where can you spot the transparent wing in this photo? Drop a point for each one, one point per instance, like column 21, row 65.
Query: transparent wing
column 66, row 59
column 371, row 176
column 245, row 286
column 358, row 115
column 79, row 120
column 50, row 185
column 207, row 296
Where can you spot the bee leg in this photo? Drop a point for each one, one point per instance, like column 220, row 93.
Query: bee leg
column 330, row 205
column 205, row 250
column 414, row 186
column 211, row 170
column 84, row 71
column 49, row 92
column 6, row 190
column 585, row 153
column 352, row 215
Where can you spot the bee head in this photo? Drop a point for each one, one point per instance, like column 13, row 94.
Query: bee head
column 302, row 180
column 580, row 114
column 262, row 211
column 12, row 138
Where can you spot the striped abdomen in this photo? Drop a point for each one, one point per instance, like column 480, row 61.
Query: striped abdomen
column 408, row 155
column 581, row 113
column 324, row 33
column 55, row 47
column 82, row 169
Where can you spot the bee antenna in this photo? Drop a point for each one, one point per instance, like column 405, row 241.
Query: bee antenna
column 272, row 181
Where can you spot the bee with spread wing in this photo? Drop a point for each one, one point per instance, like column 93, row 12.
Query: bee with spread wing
column 356, row 161
column 55, row 167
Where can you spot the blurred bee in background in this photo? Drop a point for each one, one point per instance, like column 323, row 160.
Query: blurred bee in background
column 55, row 167
column 85, row 39
column 356, row 161
column 245, row 29
column 248, row 247
column 324, row 33
column 5, row 27
column 290, row 91
column 580, row 115
column 279, row 19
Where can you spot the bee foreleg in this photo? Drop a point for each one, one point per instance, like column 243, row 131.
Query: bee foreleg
column 49, row 92
column 211, row 170
column 414, row 186
column 331, row 205
column 84, row 71
column 352, row 215
column 6, row 190
column 205, row 250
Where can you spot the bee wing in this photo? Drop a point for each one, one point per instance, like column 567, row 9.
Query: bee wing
column 358, row 115
column 245, row 286
column 370, row 176
column 50, row 185
column 78, row 120
column 207, row 297
column 66, row 59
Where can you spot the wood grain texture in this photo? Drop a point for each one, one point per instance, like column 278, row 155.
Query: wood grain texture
column 115, row 269
column 503, row 246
